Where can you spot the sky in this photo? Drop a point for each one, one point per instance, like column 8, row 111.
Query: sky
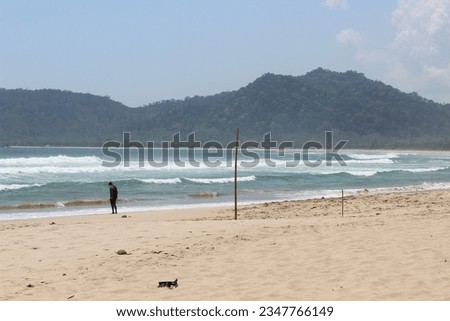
column 142, row 51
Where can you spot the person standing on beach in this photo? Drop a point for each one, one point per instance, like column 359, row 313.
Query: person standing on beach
column 113, row 192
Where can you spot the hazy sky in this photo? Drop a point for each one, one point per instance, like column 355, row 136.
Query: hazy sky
column 142, row 51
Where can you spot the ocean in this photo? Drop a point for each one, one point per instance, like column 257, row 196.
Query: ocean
column 50, row 182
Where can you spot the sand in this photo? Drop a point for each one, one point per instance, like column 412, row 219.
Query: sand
column 386, row 247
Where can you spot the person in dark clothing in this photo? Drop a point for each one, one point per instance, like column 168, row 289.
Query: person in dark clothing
column 113, row 192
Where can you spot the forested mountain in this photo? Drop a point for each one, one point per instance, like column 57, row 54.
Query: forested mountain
column 56, row 117
column 368, row 113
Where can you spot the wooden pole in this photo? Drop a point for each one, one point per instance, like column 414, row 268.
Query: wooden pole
column 235, row 173
column 342, row 203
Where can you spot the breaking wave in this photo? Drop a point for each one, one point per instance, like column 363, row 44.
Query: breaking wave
column 224, row 180
column 161, row 180
column 11, row 187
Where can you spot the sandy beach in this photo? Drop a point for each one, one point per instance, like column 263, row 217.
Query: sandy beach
column 385, row 247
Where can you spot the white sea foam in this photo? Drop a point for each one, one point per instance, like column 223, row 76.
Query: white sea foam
column 223, row 180
column 424, row 170
column 372, row 156
column 60, row 204
column 59, row 160
column 50, row 170
column 10, row 187
column 369, row 172
column 370, row 161
column 52, row 164
column 161, row 180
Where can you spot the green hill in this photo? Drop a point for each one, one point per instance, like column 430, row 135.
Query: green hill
column 57, row 117
column 368, row 113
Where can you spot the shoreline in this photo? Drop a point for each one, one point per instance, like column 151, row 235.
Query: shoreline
column 385, row 247
column 56, row 211
column 185, row 212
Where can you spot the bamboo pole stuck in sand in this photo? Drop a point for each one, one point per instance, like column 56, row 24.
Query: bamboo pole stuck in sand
column 235, row 173
column 342, row 203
